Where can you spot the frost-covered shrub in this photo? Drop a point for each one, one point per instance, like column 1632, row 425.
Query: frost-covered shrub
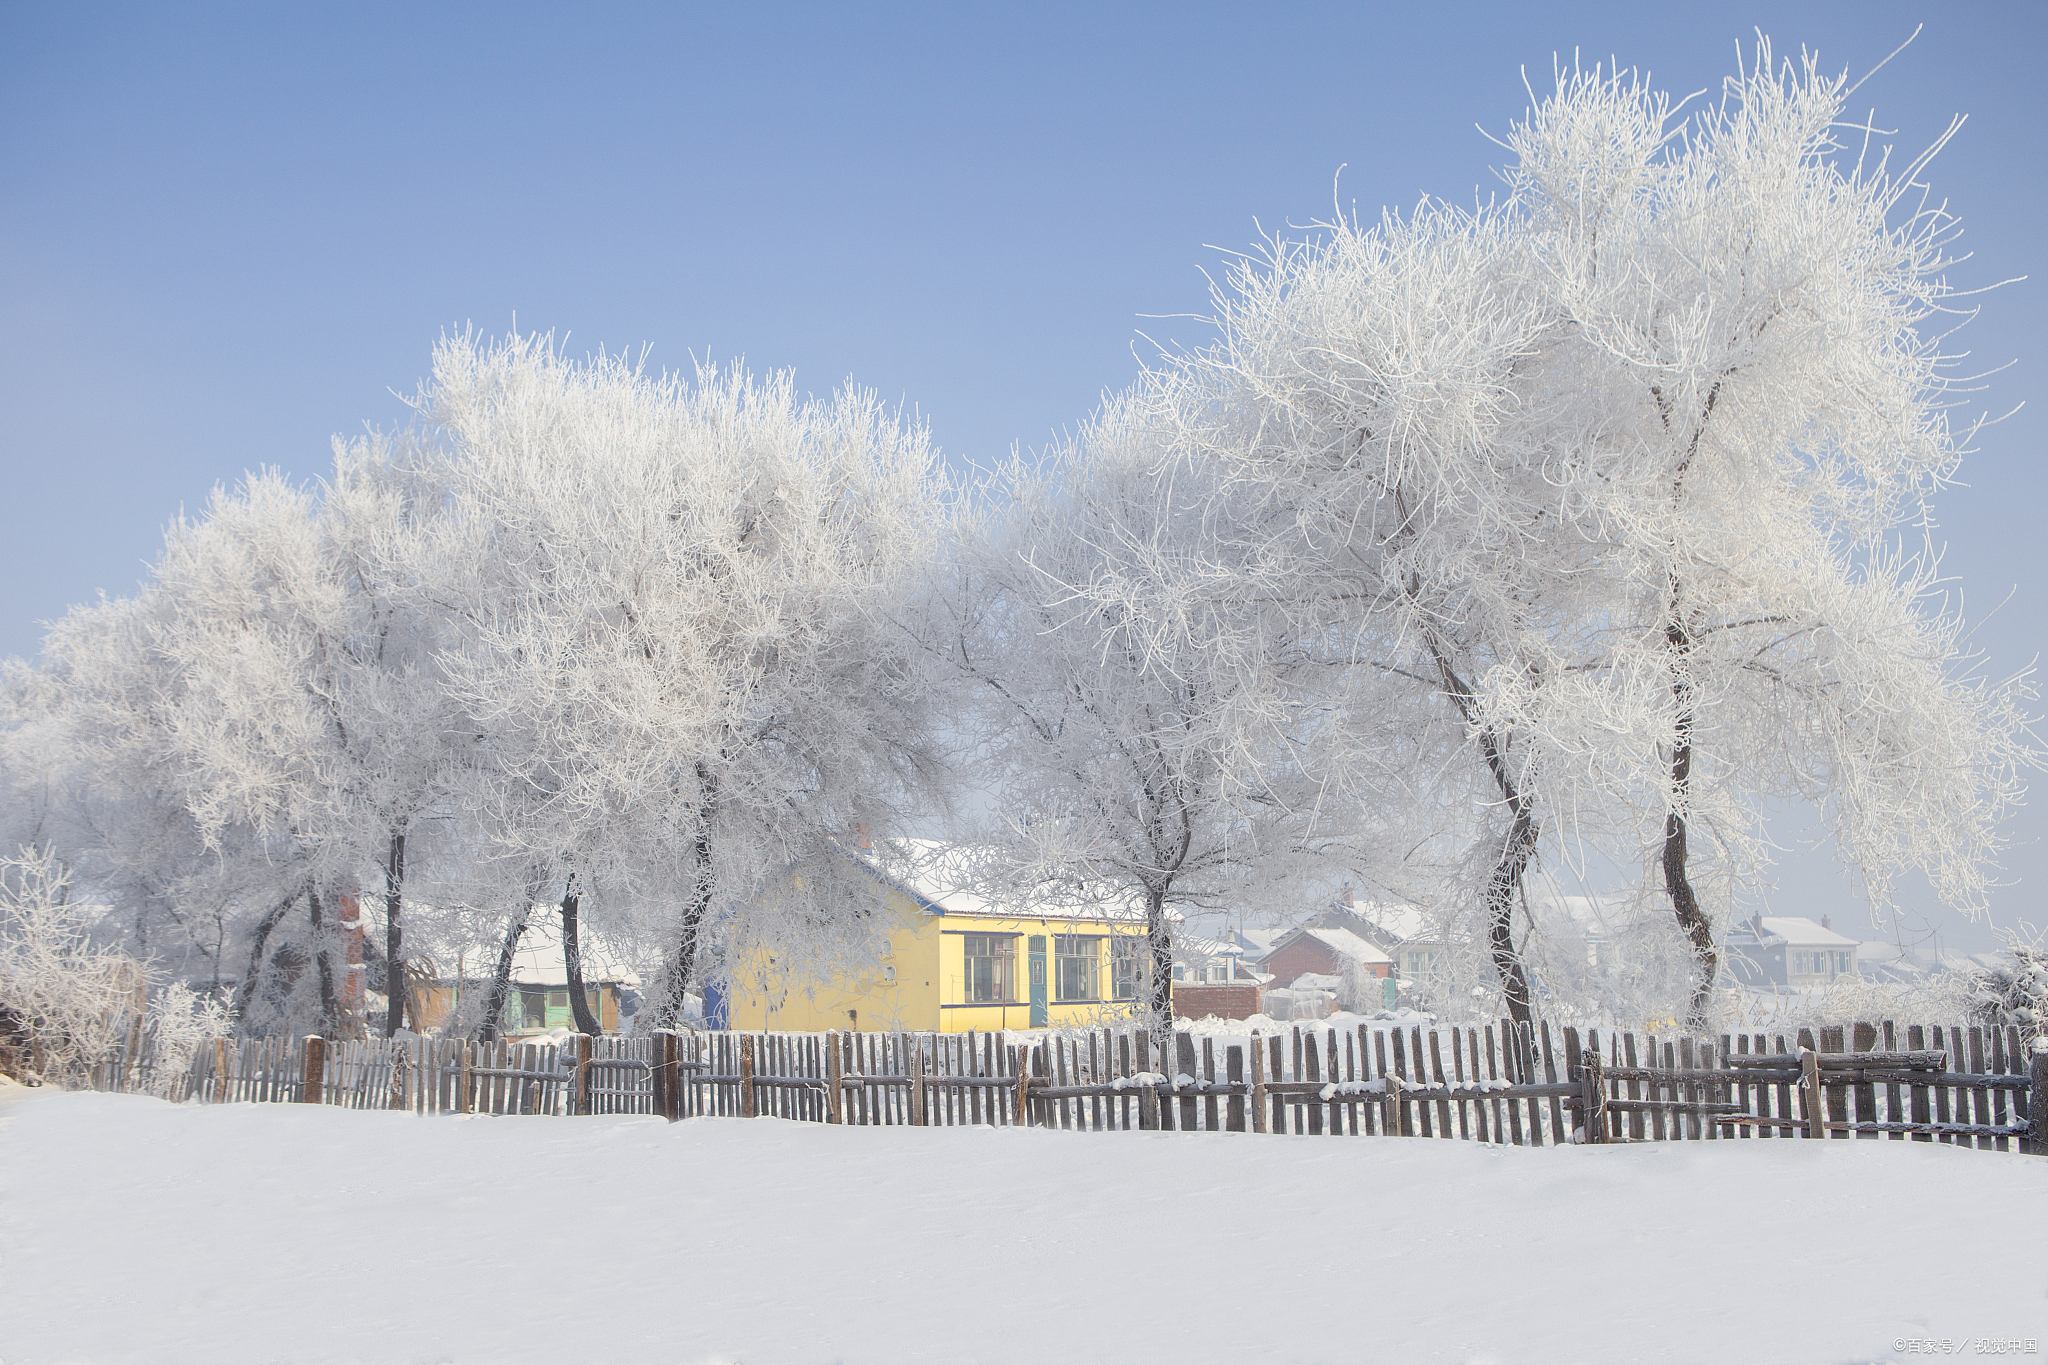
column 180, row 1021
column 1943, row 998
column 63, row 999
column 2015, row 994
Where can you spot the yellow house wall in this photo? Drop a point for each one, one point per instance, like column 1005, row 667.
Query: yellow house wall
column 929, row 992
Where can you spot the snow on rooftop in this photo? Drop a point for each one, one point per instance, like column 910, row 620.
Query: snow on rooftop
column 1347, row 943
column 1191, row 945
column 1260, row 940
column 538, row 959
column 1404, row 922
column 956, row 879
column 1802, row 933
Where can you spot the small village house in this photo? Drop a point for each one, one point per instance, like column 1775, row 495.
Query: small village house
column 539, row 996
column 955, row 960
column 1789, row 953
column 1315, row 950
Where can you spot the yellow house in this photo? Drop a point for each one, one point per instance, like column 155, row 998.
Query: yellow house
column 955, row 961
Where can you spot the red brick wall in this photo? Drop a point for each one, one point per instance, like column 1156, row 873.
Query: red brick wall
column 1303, row 955
column 1216, row 999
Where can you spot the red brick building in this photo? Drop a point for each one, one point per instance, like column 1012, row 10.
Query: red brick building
column 1326, row 952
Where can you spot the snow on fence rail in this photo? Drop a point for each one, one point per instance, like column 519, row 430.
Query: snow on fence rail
column 1527, row 1086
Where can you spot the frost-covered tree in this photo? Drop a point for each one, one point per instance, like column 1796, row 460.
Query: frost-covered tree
column 682, row 605
column 1752, row 315
column 90, row 772
column 1151, row 728
column 1620, row 467
column 306, row 638
column 1365, row 405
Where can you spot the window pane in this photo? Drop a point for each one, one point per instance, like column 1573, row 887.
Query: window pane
column 988, row 960
column 1077, row 959
column 1126, row 958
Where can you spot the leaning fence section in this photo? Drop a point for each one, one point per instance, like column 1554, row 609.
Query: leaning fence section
column 1503, row 1082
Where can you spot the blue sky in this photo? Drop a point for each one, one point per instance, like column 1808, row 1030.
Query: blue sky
column 228, row 233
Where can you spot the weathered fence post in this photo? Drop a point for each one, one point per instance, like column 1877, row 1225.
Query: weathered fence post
column 1023, row 1088
column 579, row 1102
column 221, row 1087
column 315, row 1069
column 1184, row 1065
column 659, row 1076
column 1259, row 1111
column 746, row 1075
column 835, row 1080
column 1810, row 1097
column 915, row 1043
column 2037, row 1103
column 1593, row 1104
column 670, row 1069
column 1233, row 1072
column 1148, row 1098
column 465, row 1081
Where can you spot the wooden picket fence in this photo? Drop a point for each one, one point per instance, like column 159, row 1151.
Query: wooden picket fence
column 1502, row 1082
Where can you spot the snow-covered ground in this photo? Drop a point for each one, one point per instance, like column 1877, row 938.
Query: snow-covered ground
column 136, row 1231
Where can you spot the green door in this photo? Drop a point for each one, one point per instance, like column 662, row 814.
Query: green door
column 1038, row 1012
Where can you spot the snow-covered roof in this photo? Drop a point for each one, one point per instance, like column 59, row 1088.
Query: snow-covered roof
column 954, row 879
column 1593, row 915
column 1190, row 946
column 538, row 959
column 1260, row 941
column 1802, row 933
column 1340, row 941
column 1403, row 922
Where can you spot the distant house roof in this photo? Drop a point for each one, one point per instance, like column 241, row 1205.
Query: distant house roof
column 1340, row 941
column 537, row 961
column 1780, row 931
column 956, row 879
column 1189, row 946
column 1258, row 941
column 1349, row 944
column 1402, row 923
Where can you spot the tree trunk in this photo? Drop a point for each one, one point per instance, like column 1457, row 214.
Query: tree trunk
column 394, row 961
column 246, row 991
column 1503, row 888
column 1158, row 1019
column 572, row 959
column 1504, row 883
column 330, row 1014
column 1680, row 636
column 675, row 985
column 676, row 979
column 1685, row 903
column 501, row 980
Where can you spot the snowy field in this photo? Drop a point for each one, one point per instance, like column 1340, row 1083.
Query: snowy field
column 136, row 1231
